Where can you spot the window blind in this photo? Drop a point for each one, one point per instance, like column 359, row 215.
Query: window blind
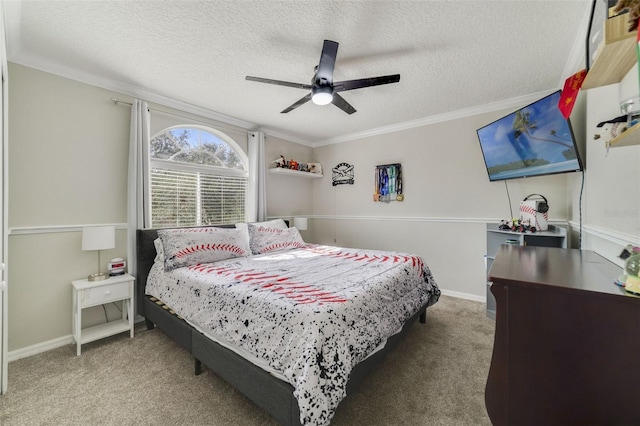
column 190, row 198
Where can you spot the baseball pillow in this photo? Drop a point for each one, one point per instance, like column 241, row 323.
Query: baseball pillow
column 190, row 246
column 269, row 240
column 275, row 223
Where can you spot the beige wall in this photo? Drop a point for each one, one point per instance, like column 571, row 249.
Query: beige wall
column 68, row 155
column 67, row 152
column 67, row 168
column 288, row 196
column 448, row 199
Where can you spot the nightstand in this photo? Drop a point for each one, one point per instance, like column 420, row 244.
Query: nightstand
column 92, row 293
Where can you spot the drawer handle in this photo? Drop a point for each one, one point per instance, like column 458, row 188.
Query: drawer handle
column 108, row 292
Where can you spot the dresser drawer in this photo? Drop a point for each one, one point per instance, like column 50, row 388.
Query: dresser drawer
column 104, row 294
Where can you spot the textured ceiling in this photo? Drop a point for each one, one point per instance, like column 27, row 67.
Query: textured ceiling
column 452, row 55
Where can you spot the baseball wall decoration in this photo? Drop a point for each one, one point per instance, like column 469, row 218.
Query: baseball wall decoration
column 343, row 174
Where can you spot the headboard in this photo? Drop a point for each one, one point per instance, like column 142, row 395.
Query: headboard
column 145, row 254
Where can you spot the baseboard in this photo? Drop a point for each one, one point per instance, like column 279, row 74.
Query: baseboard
column 466, row 296
column 39, row 348
column 48, row 345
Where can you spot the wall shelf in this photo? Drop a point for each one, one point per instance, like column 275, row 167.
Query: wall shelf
column 617, row 54
column 629, row 137
column 298, row 173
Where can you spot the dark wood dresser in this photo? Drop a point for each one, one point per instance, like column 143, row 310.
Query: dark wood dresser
column 567, row 340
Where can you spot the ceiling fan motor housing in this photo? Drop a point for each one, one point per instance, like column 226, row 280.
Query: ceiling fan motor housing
column 322, row 95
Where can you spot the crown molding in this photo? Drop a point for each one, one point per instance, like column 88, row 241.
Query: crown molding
column 278, row 134
column 124, row 89
column 136, row 92
column 453, row 115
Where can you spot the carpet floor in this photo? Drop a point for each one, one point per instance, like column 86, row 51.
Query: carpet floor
column 436, row 376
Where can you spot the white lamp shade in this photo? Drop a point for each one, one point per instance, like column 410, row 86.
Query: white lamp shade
column 300, row 223
column 98, row 237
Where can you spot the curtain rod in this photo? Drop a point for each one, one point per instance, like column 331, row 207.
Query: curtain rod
column 116, row 101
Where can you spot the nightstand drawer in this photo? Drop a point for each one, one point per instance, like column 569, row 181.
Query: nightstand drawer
column 104, row 294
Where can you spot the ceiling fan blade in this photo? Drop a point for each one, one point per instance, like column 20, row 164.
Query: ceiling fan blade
column 324, row 74
column 279, row 82
column 297, row 104
column 341, row 86
column 341, row 103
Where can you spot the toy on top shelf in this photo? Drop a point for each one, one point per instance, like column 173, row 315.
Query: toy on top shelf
column 292, row 164
column 516, row 225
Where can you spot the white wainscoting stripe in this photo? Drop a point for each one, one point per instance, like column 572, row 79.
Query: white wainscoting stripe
column 482, row 220
column 607, row 234
column 51, row 229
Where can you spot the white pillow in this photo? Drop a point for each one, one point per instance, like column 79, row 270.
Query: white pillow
column 275, row 223
column 269, row 240
column 190, row 246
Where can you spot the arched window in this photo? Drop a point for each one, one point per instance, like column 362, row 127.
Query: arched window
column 198, row 176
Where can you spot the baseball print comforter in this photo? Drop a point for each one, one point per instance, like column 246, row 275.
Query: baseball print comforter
column 311, row 313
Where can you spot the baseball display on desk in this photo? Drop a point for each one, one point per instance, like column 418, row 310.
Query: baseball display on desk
column 117, row 266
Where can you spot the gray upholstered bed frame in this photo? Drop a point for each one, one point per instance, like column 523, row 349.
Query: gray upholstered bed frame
column 272, row 394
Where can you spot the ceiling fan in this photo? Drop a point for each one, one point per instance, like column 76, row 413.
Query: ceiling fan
column 322, row 89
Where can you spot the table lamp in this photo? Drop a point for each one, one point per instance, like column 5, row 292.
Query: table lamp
column 98, row 238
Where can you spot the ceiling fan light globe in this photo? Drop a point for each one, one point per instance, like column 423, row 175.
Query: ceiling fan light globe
column 322, row 98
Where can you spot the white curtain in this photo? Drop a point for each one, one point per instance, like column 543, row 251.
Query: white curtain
column 138, row 212
column 4, row 140
column 256, row 205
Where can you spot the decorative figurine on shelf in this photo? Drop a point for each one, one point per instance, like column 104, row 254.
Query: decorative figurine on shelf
column 293, row 164
column 611, row 129
column 505, row 224
column 280, row 162
column 315, row 168
column 516, row 225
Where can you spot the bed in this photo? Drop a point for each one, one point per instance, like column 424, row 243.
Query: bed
column 293, row 326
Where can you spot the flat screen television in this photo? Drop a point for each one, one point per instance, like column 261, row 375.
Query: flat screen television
column 535, row 140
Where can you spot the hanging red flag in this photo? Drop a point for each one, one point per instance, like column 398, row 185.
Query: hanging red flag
column 570, row 92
